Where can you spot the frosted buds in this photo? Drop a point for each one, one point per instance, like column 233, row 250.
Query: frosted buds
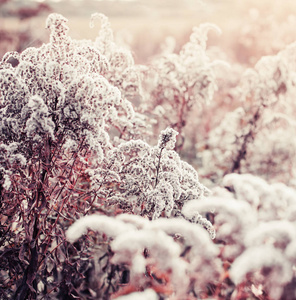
column 167, row 139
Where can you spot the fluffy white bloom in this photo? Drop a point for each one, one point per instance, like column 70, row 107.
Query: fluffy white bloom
column 277, row 233
column 233, row 219
column 290, row 252
column 155, row 240
column 267, row 259
column 271, row 201
column 7, row 182
column 148, row 294
column 132, row 234
column 270, row 80
column 164, row 252
column 193, row 234
column 104, row 224
column 137, row 221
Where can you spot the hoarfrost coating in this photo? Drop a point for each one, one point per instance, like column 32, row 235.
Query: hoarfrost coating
column 96, row 199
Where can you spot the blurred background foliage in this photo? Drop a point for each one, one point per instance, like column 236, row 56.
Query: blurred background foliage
column 250, row 28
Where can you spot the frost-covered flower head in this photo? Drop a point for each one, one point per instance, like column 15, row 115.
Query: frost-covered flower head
column 270, row 80
column 58, row 92
column 268, row 267
column 122, row 71
column 167, row 139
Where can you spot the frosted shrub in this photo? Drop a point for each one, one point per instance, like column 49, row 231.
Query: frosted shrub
column 56, row 109
column 262, row 252
column 177, row 82
column 70, row 146
column 146, row 180
column 266, row 93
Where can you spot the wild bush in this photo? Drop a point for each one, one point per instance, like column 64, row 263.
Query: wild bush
column 63, row 156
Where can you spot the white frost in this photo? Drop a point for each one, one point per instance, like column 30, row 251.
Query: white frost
column 148, row 294
column 110, row 226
